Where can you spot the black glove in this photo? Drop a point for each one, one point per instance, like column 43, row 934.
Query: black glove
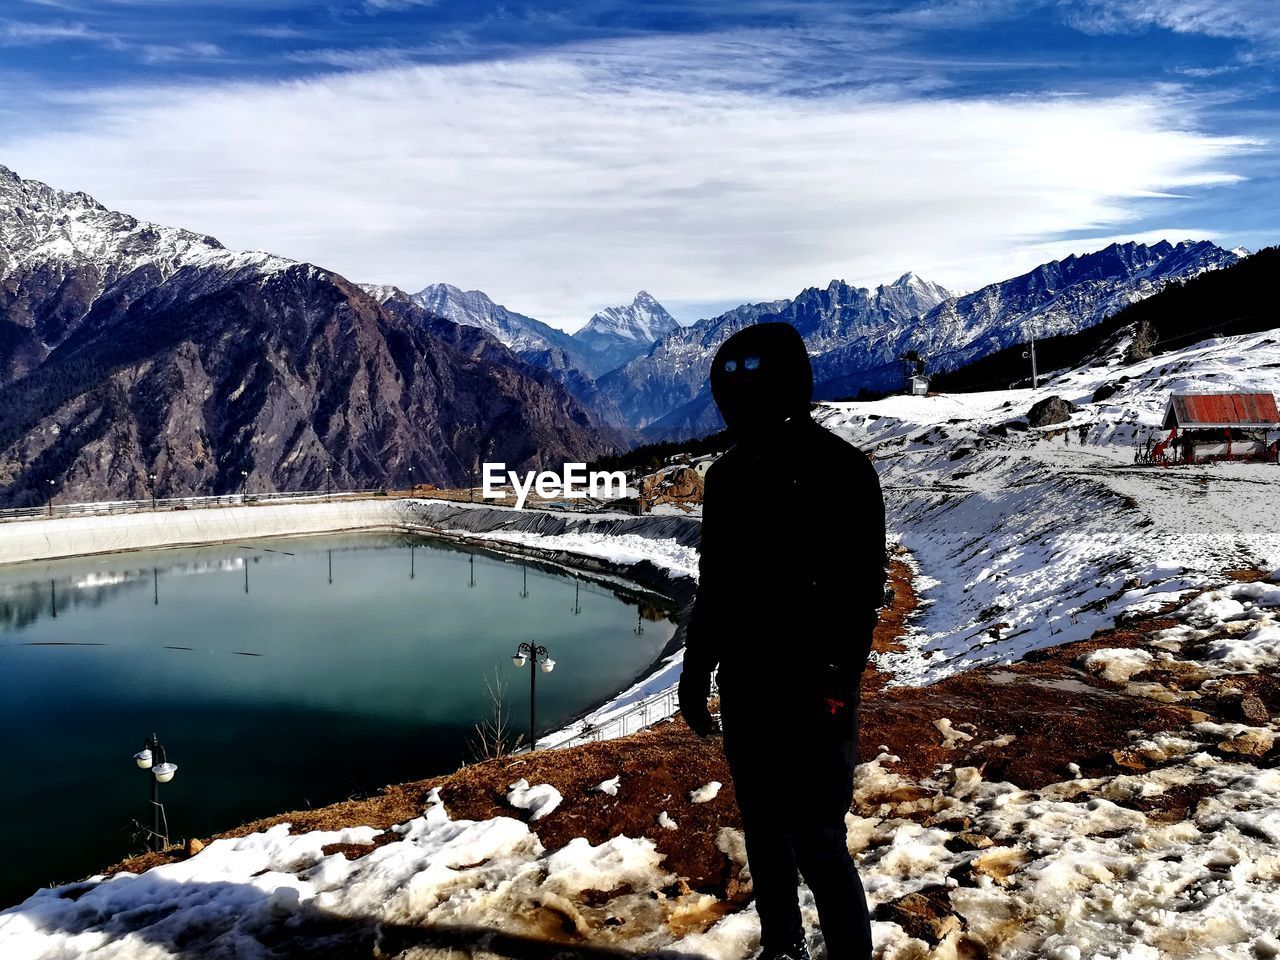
column 694, row 689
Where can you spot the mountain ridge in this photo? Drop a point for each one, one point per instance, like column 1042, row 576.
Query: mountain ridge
column 131, row 349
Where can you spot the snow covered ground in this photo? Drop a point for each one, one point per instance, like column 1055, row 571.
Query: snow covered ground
column 1032, row 539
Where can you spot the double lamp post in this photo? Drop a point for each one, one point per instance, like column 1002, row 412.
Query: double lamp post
column 537, row 656
column 151, row 757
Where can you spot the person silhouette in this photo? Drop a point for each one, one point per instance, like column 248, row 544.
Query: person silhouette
column 791, row 578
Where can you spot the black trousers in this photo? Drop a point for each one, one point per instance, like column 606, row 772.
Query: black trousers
column 792, row 764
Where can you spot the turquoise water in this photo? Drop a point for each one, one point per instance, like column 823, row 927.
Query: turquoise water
column 278, row 675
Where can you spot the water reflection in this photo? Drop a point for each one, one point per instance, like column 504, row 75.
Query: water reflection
column 367, row 681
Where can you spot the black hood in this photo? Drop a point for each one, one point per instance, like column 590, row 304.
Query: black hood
column 760, row 377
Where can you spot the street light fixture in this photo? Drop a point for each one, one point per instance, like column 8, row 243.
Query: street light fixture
column 328, row 477
column 244, row 483
column 537, row 656
column 152, row 477
column 49, row 503
column 152, row 757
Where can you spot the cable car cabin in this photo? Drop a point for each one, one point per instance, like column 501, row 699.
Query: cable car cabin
column 1204, row 427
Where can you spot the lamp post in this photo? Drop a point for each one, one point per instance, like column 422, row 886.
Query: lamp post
column 538, row 657
column 151, row 757
column 49, row 501
column 244, row 483
column 411, row 479
column 152, row 478
column 328, row 476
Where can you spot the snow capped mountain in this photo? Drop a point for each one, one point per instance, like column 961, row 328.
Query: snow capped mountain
column 474, row 308
column 536, row 359
column 1062, row 296
column 911, row 294
column 618, row 334
column 644, row 321
column 44, row 225
column 674, row 372
column 128, row 349
column 855, row 335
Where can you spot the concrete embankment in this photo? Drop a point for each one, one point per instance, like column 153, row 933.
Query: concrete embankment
column 51, row 539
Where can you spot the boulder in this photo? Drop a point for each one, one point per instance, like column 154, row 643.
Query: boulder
column 1051, row 410
column 926, row 916
column 1105, row 392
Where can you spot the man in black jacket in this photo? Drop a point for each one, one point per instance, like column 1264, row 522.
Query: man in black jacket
column 791, row 576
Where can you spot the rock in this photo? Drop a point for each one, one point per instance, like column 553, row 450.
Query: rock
column 998, row 863
column 738, row 890
column 1051, row 410
column 1251, row 742
column 1105, row 392
column 1128, row 759
column 1253, row 710
column 968, row 841
column 925, row 917
column 194, row 846
column 1144, row 341
column 946, row 818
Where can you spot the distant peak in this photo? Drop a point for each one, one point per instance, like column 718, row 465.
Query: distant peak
column 449, row 290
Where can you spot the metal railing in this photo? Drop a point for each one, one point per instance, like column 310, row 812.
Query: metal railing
column 101, row 508
column 644, row 713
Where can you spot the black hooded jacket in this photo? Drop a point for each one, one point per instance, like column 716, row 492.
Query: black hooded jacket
column 792, row 560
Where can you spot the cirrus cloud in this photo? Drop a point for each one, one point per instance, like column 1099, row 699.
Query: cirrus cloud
column 564, row 182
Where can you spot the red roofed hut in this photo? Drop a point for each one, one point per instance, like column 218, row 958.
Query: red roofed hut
column 1218, row 426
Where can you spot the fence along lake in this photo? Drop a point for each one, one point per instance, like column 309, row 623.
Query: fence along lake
column 279, row 675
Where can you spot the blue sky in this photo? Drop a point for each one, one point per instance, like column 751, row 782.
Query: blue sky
column 562, row 155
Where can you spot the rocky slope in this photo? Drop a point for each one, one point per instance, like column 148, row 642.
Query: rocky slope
column 525, row 335
column 131, row 349
column 545, row 363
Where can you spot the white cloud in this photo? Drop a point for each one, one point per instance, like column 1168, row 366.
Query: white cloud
column 169, row 52
column 1256, row 20
column 560, row 188
column 21, row 33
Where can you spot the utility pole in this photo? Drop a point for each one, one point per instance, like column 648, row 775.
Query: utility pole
column 1035, row 376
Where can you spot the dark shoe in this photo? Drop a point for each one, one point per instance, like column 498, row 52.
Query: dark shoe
column 798, row 952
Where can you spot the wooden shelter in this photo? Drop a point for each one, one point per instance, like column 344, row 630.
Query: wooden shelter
column 1218, row 426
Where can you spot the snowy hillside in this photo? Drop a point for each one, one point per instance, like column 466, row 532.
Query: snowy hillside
column 1049, row 537
column 525, row 335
